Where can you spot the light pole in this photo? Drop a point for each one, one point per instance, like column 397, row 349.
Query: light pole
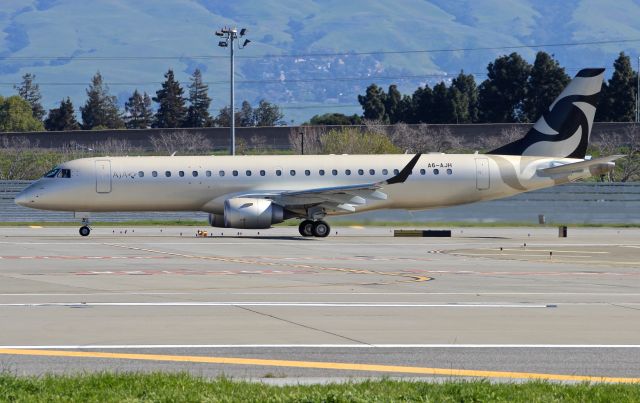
column 230, row 35
column 638, row 92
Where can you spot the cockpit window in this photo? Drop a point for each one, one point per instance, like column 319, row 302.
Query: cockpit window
column 58, row 173
column 52, row 173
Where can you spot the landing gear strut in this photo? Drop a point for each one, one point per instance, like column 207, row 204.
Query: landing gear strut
column 318, row 229
column 85, row 230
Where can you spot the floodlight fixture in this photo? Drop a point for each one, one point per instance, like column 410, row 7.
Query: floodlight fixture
column 222, row 44
column 218, row 33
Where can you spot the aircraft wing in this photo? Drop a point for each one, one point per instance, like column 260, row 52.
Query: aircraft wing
column 597, row 166
column 340, row 197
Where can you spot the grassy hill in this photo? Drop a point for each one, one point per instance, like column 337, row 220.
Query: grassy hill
column 178, row 34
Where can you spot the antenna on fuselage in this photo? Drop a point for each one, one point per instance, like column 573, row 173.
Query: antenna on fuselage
column 173, row 154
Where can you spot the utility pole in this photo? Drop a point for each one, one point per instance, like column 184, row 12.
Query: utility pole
column 638, row 92
column 230, row 35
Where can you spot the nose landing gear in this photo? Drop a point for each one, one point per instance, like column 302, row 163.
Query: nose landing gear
column 318, row 229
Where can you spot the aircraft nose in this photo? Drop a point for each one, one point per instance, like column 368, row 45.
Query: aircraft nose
column 25, row 197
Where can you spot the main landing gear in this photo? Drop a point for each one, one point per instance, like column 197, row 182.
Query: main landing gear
column 85, row 230
column 318, row 229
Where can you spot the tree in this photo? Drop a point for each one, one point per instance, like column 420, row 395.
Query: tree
column 62, row 118
column 546, row 82
column 198, row 112
column 442, row 108
column 502, row 94
column 223, row 119
column 138, row 113
column 373, row 103
column 100, row 109
column 246, row 116
column 392, row 104
column 464, row 95
column 268, row 114
column 171, row 110
column 16, row 116
column 335, row 119
column 30, row 92
column 618, row 96
column 422, row 103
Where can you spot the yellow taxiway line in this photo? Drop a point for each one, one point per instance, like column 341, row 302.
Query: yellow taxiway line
column 320, row 365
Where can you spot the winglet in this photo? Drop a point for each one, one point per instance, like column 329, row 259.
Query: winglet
column 406, row 171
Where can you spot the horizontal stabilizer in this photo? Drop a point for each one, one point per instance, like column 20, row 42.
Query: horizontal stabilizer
column 596, row 166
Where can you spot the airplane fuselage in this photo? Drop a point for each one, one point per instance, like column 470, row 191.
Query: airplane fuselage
column 203, row 183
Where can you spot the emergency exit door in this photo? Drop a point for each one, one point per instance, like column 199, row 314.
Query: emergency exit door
column 103, row 176
column 482, row 174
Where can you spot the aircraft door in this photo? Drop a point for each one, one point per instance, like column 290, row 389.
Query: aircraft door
column 103, row 176
column 482, row 174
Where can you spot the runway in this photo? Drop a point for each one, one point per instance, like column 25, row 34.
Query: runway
column 503, row 303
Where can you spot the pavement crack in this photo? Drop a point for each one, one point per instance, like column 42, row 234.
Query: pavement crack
column 624, row 306
column 303, row 325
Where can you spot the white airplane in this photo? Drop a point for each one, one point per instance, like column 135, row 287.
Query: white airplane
column 259, row 191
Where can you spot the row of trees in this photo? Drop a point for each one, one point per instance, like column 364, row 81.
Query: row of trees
column 514, row 91
column 24, row 112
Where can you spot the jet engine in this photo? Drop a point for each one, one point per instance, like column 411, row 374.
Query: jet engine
column 248, row 214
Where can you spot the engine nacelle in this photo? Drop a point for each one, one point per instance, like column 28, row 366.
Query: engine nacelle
column 248, row 214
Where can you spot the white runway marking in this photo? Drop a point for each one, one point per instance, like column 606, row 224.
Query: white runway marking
column 479, row 293
column 346, row 346
column 276, row 304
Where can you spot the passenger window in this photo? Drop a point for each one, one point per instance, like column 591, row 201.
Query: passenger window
column 347, row 171
column 423, row 171
column 334, row 172
column 307, row 172
column 262, row 172
column 234, row 173
column 436, row 171
column 181, row 173
column 292, row 172
column 221, row 173
column 372, row 172
column 385, row 171
column 154, row 174
column 208, row 173
column 321, row 172
column 141, row 174
column 194, row 173
column 360, row 171
column 278, row 172
column 248, row 172
column 449, row 171
column 167, row 174
column 395, row 172
column 64, row 173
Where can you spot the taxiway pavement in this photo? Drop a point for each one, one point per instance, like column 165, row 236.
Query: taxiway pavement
column 515, row 303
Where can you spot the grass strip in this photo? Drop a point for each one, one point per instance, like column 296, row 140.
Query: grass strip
column 183, row 387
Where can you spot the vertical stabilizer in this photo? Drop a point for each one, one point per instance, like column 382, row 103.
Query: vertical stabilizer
column 563, row 131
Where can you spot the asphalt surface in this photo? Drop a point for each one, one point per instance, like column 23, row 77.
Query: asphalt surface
column 503, row 303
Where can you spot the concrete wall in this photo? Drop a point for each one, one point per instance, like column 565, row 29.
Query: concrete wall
column 572, row 203
column 275, row 137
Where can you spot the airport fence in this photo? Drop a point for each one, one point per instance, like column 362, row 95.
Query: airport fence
column 575, row 203
column 277, row 138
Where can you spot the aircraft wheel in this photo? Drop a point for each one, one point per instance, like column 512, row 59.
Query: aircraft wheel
column 306, row 228
column 85, row 231
column 321, row 229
